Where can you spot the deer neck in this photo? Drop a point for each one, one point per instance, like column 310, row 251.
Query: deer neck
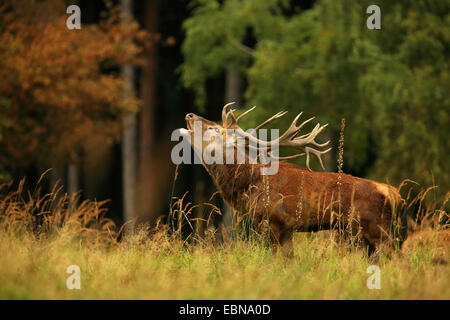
column 233, row 180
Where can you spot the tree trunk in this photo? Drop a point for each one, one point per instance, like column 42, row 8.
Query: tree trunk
column 129, row 141
column 233, row 83
column 149, row 84
column 146, row 183
column 73, row 181
column 73, row 178
column 129, row 167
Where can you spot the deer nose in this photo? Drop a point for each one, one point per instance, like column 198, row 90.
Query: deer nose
column 189, row 116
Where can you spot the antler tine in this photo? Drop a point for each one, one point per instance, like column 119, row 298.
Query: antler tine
column 286, row 157
column 276, row 116
column 230, row 113
column 225, row 114
column 315, row 143
column 309, row 138
column 317, row 153
column 244, row 113
column 305, row 122
column 293, row 129
column 234, row 120
column 309, row 133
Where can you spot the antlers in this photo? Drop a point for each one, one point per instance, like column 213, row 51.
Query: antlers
column 288, row 139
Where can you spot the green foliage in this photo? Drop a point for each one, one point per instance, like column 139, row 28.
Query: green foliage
column 214, row 34
column 390, row 84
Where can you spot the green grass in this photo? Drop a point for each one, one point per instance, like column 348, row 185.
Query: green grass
column 167, row 269
column 40, row 236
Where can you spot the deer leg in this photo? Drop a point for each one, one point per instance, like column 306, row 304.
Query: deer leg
column 275, row 234
column 371, row 235
column 281, row 239
column 375, row 233
column 287, row 244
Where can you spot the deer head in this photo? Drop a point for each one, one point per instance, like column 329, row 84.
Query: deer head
column 208, row 139
column 227, row 136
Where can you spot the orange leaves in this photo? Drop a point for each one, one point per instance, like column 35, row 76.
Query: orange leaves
column 64, row 85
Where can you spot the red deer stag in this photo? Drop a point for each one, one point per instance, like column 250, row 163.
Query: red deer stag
column 295, row 198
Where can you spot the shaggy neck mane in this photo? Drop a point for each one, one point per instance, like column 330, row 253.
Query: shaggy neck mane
column 234, row 179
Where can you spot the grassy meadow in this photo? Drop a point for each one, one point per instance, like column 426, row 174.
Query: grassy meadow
column 41, row 235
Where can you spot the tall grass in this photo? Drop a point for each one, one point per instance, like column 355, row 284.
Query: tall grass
column 42, row 234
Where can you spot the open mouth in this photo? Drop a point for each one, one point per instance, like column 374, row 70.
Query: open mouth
column 188, row 124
